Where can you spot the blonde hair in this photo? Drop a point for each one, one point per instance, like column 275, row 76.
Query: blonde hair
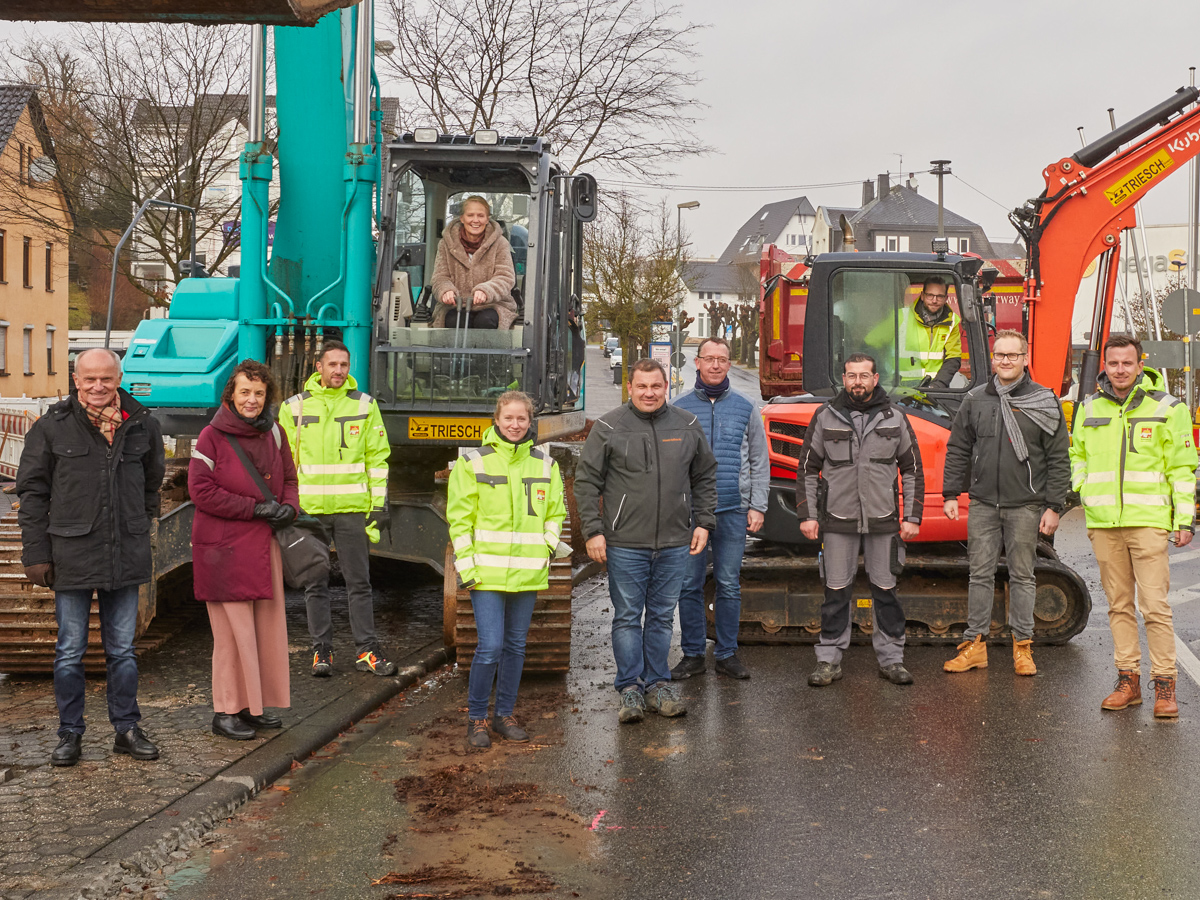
column 475, row 198
column 514, row 397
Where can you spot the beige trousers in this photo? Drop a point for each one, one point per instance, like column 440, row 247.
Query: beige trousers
column 1132, row 557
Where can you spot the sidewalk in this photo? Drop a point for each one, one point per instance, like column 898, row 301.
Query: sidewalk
column 65, row 831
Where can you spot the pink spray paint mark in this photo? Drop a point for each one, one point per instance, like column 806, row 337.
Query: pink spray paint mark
column 596, row 821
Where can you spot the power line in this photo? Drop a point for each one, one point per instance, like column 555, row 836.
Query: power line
column 1003, row 206
column 653, row 185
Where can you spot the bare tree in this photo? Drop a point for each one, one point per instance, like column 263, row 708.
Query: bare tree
column 606, row 80
column 749, row 290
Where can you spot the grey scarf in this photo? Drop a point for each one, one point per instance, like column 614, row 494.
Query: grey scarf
column 1040, row 405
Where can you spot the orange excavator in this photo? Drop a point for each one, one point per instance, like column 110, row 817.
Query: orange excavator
column 815, row 312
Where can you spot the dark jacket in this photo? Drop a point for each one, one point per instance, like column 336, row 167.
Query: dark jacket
column 655, row 473
column 87, row 506
column 981, row 461
column 847, row 478
column 231, row 550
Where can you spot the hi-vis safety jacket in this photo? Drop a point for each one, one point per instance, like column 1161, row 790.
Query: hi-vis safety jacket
column 340, row 447
column 925, row 349
column 506, row 511
column 1134, row 462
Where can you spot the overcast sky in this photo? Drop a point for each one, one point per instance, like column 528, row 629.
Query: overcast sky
column 803, row 93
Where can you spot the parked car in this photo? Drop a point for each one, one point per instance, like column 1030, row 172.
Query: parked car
column 614, row 360
column 610, row 345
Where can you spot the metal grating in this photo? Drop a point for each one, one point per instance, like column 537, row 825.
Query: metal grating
column 785, row 448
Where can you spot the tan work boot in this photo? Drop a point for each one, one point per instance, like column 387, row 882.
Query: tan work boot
column 1023, row 657
column 971, row 655
column 1165, row 706
column 1128, row 691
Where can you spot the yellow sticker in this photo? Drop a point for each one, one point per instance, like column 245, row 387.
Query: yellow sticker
column 864, row 602
column 1134, row 181
column 438, row 428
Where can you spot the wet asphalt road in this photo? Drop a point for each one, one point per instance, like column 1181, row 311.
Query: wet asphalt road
column 979, row 785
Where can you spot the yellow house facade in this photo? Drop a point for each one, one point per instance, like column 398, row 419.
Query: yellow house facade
column 34, row 222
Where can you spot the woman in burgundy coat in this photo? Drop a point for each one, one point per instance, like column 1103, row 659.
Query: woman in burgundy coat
column 236, row 566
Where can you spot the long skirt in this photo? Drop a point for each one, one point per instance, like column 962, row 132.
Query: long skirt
column 250, row 653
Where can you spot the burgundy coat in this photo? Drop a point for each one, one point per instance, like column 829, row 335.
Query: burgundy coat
column 231, row 550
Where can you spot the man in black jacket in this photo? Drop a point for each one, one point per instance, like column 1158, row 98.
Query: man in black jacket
column 1008, row 451
column 88, row 483
column 651, row 465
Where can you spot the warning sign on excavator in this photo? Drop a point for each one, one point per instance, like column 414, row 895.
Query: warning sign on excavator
column 1142, row 176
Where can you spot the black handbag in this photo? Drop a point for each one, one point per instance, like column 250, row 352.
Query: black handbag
column 303, row 545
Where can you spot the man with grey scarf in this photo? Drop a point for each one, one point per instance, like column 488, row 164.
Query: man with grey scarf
column 1008, row 451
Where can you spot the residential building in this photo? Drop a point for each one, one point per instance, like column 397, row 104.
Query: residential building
column 788, row 224
column 35, row 219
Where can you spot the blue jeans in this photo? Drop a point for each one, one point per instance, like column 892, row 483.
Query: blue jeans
column 644, row 583
column 728, row 546
column 118, row 622
column 502, row 623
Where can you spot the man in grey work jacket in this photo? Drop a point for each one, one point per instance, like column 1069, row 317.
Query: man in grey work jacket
column 735, row 432
column 653, row 469
column 846, row 489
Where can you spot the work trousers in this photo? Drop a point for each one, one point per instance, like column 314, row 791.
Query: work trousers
column 349, row 533
column 1132, row 557
column 1015, row 529
column 727, row 545
column 839, row 564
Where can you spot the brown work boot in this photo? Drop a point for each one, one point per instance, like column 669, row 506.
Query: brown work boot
column 1165, row 706
column 1127, row 693
column 1023, row 657
column 971, row 655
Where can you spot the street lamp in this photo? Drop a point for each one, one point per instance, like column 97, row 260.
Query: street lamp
column 679, row 208
column 940, row 167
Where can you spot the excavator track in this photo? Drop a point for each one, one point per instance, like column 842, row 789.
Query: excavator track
column 782, row 593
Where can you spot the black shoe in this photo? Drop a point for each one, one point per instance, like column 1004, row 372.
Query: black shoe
column 263, row 722
column 896, row 674
column 687, row 667
column 825, row 674
column 507, row 728
column 232, row 727
column 477, row 735
column 68, row 750
column 135, row 743
column 322, row 662
column 733, row 667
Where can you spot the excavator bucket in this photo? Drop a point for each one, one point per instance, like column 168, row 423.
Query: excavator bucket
column 197, row 12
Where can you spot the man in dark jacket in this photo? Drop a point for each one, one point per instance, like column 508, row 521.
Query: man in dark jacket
column 652, row 467
column 88, row 484
column 1008, row 451
column 846, row 488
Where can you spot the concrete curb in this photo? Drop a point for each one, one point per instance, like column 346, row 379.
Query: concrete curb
column 149, row 845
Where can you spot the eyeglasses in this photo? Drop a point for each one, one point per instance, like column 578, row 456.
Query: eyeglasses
column 935, row 296
column 714, row 360
column 1007, row 357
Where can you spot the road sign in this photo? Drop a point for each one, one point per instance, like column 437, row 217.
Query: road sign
column 661, row 352
column 678, row 360
column 1181, row 311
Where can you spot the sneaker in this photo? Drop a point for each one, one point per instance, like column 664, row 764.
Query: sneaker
column 477, row 735
column 664, row 699
column 687, row 667
column 370, row 661
column 825, row 674
column 507, row 728
column 322, row 662
column 896, row 674
column 971, row 655
column 733, row 667
column 633, row 706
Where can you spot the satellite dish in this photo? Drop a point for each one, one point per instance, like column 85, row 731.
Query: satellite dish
column 42, row 169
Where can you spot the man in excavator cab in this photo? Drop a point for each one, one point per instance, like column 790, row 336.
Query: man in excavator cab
column 930, row 340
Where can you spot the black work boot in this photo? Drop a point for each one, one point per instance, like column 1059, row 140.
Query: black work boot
column 135, row 743
column 69, row 748
column 896, row 674
column 733, row 667
column 687, row 667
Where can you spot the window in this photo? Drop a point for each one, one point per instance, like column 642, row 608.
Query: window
column 50, row 329
column 25, row 263
column 20, row 163
column 27, row 348
column 3, row 347
column 891, row 243
column 49, row 266
column 964, row 245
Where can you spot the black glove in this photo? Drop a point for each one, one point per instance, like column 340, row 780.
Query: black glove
column 267, row 510
column 41, row 574
column 285, row 517
column 381, row 517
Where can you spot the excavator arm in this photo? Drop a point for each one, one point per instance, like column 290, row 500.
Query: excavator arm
column 1088, row 202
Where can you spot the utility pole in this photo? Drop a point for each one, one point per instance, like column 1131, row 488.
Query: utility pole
column 940, row 168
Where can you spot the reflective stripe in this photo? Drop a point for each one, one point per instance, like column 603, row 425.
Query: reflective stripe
column 930, row 354
column 554, row 528
column 379, row 493
column 511, row 562
column 551, row 539
column 333, row 489
column 508, row 537
column 1101, row 500
column 465, row 562
column 377, row 473
column 1185, row 510
column 196, row 454
column 1145, row 477
column 1184, row 487
column 1147, row 500
column 1100, row 477
column 461, row 543
column 333, row 469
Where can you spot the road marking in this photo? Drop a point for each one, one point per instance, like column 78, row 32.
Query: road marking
column 1187, row 659
column 1184, row 595
column 1185, row 556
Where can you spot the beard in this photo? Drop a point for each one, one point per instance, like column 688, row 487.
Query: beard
column 860, row 391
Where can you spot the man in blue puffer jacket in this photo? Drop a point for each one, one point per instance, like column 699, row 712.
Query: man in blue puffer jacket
column 735, row 432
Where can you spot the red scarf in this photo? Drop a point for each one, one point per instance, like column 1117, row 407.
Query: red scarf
column 469, row 245
column 108, row 419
